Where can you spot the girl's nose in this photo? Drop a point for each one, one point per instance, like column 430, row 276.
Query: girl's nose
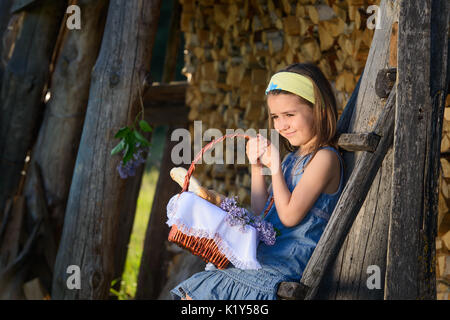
column 283, row 124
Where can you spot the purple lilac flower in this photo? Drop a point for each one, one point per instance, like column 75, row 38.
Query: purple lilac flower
column 241, row 217
column 266, row 232
column 129, row 169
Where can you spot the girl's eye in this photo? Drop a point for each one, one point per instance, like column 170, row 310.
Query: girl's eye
column 274, row 117
column 290, row 115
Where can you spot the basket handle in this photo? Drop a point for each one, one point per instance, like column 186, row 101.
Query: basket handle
column 200, row 154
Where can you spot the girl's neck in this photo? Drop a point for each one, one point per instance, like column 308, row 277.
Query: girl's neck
column 306, row 148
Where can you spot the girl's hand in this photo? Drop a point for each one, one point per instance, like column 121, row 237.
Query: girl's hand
column 261, row 151
column 271, row 157
column 254, row 149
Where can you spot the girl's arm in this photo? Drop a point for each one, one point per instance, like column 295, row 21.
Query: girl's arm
column 259, row 191
column 293, row 207
column 254, row 149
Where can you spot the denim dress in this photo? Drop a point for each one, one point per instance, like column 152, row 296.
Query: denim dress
column 284, row 261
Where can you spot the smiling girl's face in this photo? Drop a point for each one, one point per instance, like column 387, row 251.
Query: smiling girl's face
column 292, row 119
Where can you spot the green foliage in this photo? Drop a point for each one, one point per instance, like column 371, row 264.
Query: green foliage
column 129, row 137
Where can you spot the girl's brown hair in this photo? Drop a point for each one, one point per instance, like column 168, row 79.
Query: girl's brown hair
column 325, row 116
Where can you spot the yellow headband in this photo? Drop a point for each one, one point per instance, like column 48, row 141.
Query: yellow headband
column 294, row 83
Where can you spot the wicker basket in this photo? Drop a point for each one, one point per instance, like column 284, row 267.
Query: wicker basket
column 205, row 248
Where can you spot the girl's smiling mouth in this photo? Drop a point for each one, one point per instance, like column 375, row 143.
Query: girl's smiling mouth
column 289, row 134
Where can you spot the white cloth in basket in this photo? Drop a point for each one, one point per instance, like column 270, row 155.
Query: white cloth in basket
column 194, row 216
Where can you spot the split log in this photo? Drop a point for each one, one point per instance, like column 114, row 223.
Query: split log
column 22, row 92
column 14, row 272
column 59, row 135
column 91, row 223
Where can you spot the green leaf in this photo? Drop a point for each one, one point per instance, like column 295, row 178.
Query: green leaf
column 141, row 138
column 277, row 232
column 128, row 154
column 120, row 146
column 145, row 126
column 122, row 133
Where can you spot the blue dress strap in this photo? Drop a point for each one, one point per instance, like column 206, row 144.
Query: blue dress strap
column 341, row 161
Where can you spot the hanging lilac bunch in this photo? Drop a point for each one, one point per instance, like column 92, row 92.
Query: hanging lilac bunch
column 240, row 216
column 132, row 145
column 129, row 169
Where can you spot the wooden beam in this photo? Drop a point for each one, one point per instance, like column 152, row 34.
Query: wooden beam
column 350, row 202
column 346, row 210
column 91, row 224
column 173, row 43
column 154, row 258
column 173, row 93
column 24, row 80
column 416, row 152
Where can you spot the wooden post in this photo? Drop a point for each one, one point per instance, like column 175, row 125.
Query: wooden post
column 173, row 44
column 59, row 136
column 91, row 224
column 22, row 93
column 153, row 267
column 154, row 262
column 366, row 242
column 419, row 115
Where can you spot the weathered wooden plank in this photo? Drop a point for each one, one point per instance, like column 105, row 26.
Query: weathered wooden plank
column 173, row 93
column 366, row 242
column 359, row 141
column 24, row 80
column 414, row 205
column 152, row 271
column 59, row 135
column 350, row 202
column 156, row 258
column 292, row 291
column 91, row 223
column 173, row 43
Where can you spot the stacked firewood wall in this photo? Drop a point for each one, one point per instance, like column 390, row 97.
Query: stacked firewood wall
column 233, row 47
column 443, row 239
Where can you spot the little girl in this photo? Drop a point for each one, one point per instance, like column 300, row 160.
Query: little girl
column 305, row 188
